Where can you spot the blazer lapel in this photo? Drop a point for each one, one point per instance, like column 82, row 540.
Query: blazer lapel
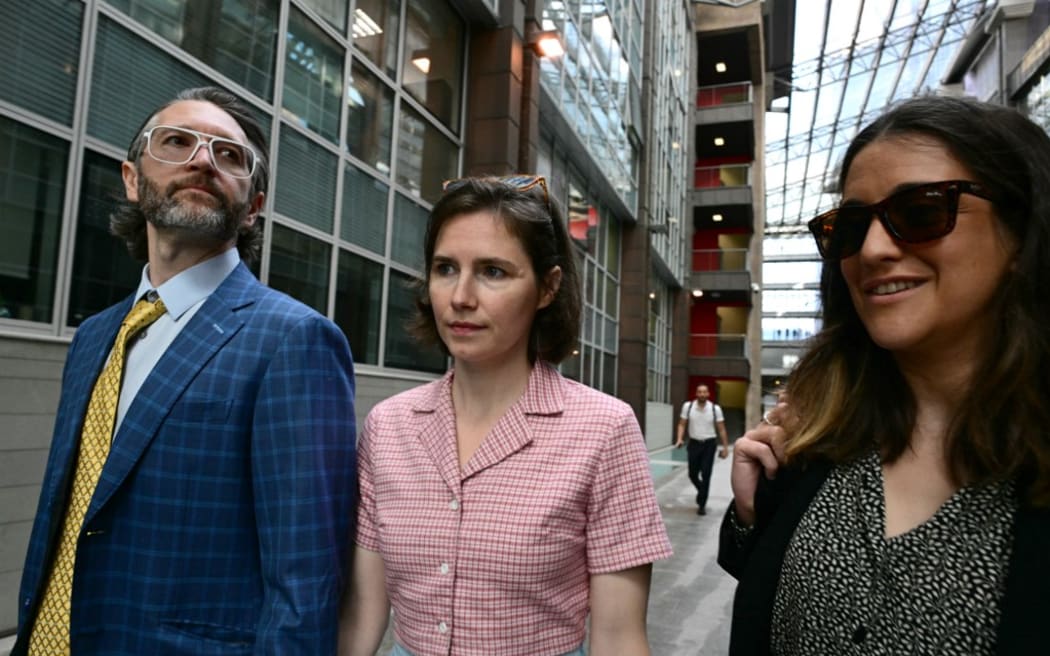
column 94, row 343
column 212, row 327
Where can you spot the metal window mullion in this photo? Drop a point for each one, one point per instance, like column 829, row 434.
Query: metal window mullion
column 71, row 202
column 280, row 55
column 395, row 135
column 340, row 176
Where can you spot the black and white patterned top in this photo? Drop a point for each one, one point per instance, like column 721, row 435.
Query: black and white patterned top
column 847, row 589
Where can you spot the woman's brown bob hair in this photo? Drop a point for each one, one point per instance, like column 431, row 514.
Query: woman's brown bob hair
column 535, row 219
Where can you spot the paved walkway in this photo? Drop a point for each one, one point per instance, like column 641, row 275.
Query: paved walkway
column 691, row 598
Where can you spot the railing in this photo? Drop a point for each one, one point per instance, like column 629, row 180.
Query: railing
column 723, row 94
column 720, row 259
column 726, row 175
column 724, row 345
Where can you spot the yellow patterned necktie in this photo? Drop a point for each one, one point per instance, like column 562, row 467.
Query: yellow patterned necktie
column 50, row 634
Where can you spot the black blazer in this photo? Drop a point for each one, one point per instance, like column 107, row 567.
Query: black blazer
column 779, row 506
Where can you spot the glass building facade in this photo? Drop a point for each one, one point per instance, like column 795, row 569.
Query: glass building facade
column 666, row 192
column 365, row 120
column 597, row 83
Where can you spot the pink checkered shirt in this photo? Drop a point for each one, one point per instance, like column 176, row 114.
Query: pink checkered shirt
column 495, row 559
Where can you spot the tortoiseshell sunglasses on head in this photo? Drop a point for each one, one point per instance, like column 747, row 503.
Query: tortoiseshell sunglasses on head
column 519, row 182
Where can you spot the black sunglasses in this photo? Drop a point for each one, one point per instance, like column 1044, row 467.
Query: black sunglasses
column 921, row 213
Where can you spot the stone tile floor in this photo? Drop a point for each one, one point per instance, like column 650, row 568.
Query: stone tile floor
column 691, row 598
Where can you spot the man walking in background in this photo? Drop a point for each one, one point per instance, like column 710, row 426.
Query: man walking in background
column 704, row 420
column 200, row 485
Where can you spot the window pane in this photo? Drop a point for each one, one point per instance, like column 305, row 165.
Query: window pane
column 375, row 31
column 313, row 81
column 609, row 374
column 124, row 62
column 570, row 366
column 332, row 11
column 235, row 37
column 791, row 272
column 612, row 246
column 42, row 54
column 306, row 175
column 402, row 350
column 364, row 210
column 589, row 280
column 612, row 296
column 103, row 271
column 433, row 60
column 800, row 245
column 583, row 220
column 789, row 328
column 410, row 226
column 299, row 267
column 790, row 300
column 358, row 301
column 32, row 183
column 370, row 118
column 425, row 157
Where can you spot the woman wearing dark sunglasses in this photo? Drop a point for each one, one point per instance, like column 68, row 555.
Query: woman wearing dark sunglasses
column 503, row 503
column 897, row 500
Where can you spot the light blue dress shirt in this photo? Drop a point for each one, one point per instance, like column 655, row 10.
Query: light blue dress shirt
column 183, row 295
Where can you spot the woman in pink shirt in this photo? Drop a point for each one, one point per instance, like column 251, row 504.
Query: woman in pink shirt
column 502, row 503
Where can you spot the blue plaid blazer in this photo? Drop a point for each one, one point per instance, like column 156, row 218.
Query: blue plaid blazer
column 222, row 519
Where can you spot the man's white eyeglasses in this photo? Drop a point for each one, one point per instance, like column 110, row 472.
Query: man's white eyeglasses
column 172, row 145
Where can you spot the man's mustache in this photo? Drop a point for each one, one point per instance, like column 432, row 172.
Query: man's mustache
column 195, row 181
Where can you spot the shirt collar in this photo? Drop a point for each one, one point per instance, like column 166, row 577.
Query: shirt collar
column 188, row 287
column 544, row 393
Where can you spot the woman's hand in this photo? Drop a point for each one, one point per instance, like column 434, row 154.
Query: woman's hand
column 761, row 449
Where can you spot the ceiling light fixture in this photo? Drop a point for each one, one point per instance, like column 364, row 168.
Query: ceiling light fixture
column 547, row 44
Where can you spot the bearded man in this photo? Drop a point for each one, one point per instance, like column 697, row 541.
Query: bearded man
column 201, row 480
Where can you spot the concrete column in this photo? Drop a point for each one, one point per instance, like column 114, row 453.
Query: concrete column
column 502, row 102
column 632, row 374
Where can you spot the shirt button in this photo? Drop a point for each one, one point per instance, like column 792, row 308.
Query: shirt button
column 444, row 568
column 442, row 628
column 454, row 504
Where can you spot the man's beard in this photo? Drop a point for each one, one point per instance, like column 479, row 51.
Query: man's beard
column 218, row 224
